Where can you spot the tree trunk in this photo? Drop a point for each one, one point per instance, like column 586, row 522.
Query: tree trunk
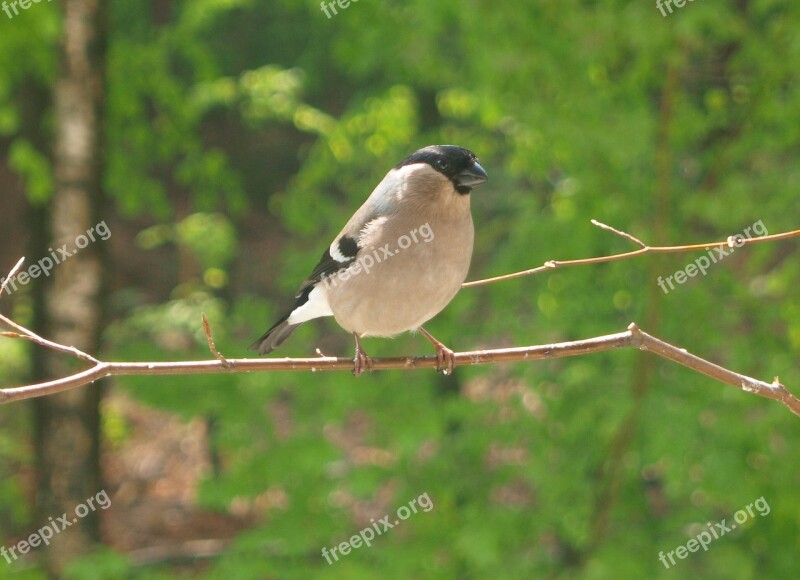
column 68, row 425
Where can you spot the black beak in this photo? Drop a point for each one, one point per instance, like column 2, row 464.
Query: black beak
column 472, row 176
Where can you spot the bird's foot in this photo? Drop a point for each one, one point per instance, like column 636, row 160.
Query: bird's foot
column 361, row 361
column 445, row 358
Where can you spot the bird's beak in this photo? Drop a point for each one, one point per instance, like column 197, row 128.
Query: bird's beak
column 472, row 176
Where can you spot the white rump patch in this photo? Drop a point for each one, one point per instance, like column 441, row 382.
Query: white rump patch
column 316, row 307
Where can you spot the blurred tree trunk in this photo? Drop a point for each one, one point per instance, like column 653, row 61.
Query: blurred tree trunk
column 67, row 424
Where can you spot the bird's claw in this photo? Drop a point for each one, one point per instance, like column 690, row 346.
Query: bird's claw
column 361, row 362
column 445, row 360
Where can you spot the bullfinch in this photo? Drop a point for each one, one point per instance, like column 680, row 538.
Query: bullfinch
column 400, row 259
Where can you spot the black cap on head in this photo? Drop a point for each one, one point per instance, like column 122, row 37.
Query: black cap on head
column 458, row 164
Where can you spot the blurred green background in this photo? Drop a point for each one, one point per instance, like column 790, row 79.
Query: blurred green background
column 238, row 136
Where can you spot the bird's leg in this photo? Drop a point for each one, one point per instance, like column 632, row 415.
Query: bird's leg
column 445, row 358
column 361, row 361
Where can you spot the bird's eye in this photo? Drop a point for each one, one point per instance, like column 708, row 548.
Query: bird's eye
column 442, row 164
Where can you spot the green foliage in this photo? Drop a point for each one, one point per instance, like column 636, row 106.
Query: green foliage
column 209, row 238
column 104, row 563
column 677, row 129
column 34, row 168
column 152, row 123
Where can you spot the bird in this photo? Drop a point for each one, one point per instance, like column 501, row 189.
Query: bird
column 399, row 260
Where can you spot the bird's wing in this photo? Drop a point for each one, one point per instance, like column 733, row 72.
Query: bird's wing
column 342, row 252
column 346, row 246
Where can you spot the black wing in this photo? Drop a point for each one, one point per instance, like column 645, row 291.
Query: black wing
column 328, row 265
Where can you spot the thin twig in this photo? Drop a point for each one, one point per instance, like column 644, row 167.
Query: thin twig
column 736, row 240
column 26, row 334
column 11, row 274
column 620, row 233
column 211, row 346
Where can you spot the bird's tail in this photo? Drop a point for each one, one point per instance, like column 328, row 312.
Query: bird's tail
column 275, row 336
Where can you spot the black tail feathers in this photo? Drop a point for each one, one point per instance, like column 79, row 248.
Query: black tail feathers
column 274, row 337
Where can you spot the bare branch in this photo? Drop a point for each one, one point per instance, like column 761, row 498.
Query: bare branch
column 774, row 390
column 633, row 337
column 731, row 241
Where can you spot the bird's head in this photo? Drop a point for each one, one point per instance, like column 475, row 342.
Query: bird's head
column 457, row 164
